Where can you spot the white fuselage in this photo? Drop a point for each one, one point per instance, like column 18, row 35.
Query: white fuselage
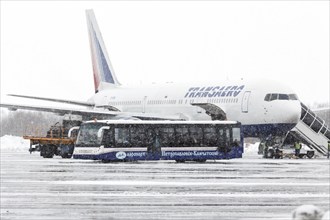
column 241, row 101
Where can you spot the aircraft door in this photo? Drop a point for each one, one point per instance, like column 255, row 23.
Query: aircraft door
column 245, row 101
column 144, row 103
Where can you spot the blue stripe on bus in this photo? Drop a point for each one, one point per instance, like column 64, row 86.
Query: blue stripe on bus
column 165, row 155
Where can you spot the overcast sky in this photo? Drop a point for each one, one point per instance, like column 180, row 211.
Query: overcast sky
column 45, row 47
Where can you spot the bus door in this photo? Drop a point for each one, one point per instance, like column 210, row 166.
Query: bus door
column 154, row 151
column 224, row 140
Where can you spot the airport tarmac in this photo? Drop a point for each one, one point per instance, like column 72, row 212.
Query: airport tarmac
column 249, row 188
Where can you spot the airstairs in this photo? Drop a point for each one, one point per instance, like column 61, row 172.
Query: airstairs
column 312, row 131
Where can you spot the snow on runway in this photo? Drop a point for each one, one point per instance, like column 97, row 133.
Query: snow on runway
column 250, row 188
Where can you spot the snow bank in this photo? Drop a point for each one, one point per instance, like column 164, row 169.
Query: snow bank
column 326, row 216
column 307, row 212
column 14, row 143
column 251, row 149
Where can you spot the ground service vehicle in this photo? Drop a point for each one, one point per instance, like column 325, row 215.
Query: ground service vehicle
column 129, row 140
column 289, row 151
column 286, row 150
column 59, row 140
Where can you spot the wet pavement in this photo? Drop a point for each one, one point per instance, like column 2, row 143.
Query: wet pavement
column 250, row 188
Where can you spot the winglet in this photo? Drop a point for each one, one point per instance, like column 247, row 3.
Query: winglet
column 104, row 75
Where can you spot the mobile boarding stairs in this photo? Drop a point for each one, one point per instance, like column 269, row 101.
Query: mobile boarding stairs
column 312, row 131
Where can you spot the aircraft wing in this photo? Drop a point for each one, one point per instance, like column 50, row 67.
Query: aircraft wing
column 212, row 110
column 55, row 100
column 89, row 114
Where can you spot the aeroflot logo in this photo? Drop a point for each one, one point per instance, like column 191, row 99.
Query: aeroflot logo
column 121, row 155
column 214, row 91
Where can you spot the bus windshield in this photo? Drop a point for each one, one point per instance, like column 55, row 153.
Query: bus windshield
column 88, row 135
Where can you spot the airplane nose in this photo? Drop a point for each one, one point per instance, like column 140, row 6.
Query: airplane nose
column 292, row 112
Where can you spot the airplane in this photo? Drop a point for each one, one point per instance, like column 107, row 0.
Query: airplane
column 264, row 108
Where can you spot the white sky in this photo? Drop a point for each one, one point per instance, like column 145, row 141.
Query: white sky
column 45, row 46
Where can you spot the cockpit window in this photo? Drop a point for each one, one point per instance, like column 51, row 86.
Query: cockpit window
column 267, row 97
column 279, row 96
column 283, row 97
column 273, row 96
column 293, row 97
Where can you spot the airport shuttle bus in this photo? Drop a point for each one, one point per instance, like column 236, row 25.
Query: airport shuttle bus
column 130, row 140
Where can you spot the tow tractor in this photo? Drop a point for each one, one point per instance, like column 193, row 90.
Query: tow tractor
column 59, row 140
column 288, row 151
column 279, row 148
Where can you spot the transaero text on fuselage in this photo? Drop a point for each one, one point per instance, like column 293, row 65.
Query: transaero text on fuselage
column 214, row 91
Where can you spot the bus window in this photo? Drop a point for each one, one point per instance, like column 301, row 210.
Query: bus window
column 221, row 139
column 138, row 136
column 166, row 136
column 87, row 136
column 236, row 137
column 182, row 136
column 122, row 137
column 107, row 140
column 210, row 137
column 227, row 139
column 195, row 136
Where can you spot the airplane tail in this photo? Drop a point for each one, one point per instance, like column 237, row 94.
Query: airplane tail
column 104, row 75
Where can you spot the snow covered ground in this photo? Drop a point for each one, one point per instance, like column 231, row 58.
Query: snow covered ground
column 249, row 188
column 14, row 143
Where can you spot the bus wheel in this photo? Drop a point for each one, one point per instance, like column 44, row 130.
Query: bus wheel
column 200, row 160
column 180, row 161
column 66, row 155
